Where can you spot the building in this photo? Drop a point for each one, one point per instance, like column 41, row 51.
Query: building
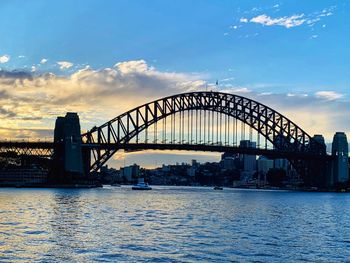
column 22, row 177
column 264, row 165
column 191, row 171
column 228, row 163
column 248, row 161
column 110, row 175
column 130, row 172
column 281, row 164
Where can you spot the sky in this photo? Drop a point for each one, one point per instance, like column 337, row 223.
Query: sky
column 101, row 58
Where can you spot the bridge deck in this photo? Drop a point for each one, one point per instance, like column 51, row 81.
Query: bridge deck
column 209, row 148
column 32, row 147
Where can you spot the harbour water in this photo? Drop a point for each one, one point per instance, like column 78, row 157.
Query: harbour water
column 173, row 224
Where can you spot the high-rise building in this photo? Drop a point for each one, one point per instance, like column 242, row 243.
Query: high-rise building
column 340, row 150
column 281, row 164
column 131, row 172
column 264, row 165
column 228, row 163
column 249, row 161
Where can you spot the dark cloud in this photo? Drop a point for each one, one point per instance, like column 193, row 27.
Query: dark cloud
column 102, row 94
column 30, row 118
column 7, row 113
column 10, row 77
column 15, row 74
column 4, row 94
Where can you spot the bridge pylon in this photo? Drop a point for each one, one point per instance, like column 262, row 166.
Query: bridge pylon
column 67, row 158
column 340, row 165
column 318, row 169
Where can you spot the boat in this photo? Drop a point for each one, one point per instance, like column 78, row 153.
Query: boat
column 115, row 184
column 141, row 185
column 218, row 188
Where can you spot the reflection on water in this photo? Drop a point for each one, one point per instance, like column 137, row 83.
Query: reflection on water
column 172, row 224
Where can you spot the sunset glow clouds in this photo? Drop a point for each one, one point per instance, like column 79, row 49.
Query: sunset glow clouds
column 294, row 58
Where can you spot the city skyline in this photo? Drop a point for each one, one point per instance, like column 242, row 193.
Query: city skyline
column 291, row 57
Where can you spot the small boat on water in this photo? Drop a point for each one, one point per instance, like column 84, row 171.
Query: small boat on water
column 218, row 188
column 141, row 185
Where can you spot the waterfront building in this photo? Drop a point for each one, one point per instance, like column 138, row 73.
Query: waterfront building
column 249, row 161
column 281, row 164
column 166, row 168
column 191, row 171
column 23, row 176
column 264, row 165
column 195, row 164
column 228, row 163
column 130, row 172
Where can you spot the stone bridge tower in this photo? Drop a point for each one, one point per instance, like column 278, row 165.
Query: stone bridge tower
column 340, row 152
column 67, row 161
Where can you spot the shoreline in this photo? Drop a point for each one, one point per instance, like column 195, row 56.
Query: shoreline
column 90, row 186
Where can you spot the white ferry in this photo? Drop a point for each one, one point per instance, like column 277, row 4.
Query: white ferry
column 141, row 185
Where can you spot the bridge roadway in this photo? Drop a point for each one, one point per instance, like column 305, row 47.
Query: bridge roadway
column 45, row 149
column 38, row 148
column 210, row 148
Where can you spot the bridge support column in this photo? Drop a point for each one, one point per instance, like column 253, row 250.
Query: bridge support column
column 86, row 161
column 317, row 169
column 340, row 166
column 68, row 162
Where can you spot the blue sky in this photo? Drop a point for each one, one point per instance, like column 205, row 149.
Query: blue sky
column 186, row 37
column 287, row 54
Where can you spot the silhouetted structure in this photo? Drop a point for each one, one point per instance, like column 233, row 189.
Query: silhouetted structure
column 200, row 121
column 67, row 158
column 340, row 151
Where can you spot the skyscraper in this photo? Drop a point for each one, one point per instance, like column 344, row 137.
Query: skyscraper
column 248, row 161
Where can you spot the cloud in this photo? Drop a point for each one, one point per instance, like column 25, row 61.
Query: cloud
column 291, row 21
column 43, row 61
column 65, row 64
column 237, row 90
column 12, row 77
column 329, row 95
column 133, row 66
column 323, row 112
column 37, row 99
column 227, row 79
column 33, row 100
column 4, row 59
column 23, row 133
column 7, row 113
column 288, row 22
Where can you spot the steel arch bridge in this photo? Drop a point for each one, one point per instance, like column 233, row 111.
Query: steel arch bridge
column 204, row 121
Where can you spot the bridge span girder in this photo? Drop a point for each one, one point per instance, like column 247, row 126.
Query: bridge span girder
column 281, row 132
column 81, row 154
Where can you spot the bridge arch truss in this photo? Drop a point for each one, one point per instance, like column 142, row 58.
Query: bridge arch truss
column 216, row 107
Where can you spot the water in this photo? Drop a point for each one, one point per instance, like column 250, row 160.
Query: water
column 173, row 224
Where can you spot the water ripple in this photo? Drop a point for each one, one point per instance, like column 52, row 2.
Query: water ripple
column 173, row 224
